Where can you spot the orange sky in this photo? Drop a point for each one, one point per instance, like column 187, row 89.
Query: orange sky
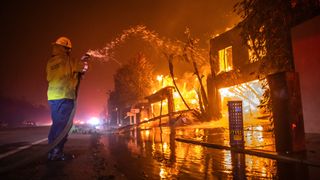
column 29, row 27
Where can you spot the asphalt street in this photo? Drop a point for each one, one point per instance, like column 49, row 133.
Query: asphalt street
column 90, row 162
column 145, row 154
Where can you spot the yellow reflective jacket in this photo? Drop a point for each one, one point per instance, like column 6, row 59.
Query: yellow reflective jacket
column 62, row 75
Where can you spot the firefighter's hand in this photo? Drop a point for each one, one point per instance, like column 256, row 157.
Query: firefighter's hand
column 85, row 58
column 85, row 66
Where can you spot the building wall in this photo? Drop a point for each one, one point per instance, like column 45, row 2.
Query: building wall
column 243, row 71
column 306, row 50
column 239, row 51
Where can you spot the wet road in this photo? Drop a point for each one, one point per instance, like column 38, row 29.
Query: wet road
column 28, row 134
column 153, row 153
column 12, row 140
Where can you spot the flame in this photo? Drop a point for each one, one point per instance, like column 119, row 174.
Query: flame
column 250, row 93
column 187, row 87
column 160, row 78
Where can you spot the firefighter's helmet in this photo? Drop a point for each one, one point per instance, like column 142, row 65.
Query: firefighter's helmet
column 64, row 41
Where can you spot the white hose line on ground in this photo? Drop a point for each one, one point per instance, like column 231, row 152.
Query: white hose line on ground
column 22, row 148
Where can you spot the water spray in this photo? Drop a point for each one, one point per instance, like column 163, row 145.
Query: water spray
column 164, row 44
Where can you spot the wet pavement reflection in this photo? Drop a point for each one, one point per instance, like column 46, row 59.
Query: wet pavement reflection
column 153, row 153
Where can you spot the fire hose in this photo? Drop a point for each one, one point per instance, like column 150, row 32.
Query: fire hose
column 61, row 136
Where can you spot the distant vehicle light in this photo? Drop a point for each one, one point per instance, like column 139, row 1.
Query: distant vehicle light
column 94, row 121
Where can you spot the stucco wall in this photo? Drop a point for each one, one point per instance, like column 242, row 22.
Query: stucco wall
column 306, row 49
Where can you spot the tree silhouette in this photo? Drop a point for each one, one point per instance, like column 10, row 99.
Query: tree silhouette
column 133, row 81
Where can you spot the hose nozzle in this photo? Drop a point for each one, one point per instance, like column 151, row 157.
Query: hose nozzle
column 85, row 57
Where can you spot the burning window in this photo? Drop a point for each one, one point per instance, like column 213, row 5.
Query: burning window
column 225, row 59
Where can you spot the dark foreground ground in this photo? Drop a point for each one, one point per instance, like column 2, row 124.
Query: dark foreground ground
column 154, row 154
column 91, row 162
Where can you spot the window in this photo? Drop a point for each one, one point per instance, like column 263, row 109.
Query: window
column 225, row 59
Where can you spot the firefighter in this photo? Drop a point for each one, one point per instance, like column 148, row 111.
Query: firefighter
column 63, row 79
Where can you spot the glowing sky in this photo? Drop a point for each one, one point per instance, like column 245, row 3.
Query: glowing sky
column 29, row 27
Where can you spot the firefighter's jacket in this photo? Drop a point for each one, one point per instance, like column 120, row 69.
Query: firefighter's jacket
column 62, row 74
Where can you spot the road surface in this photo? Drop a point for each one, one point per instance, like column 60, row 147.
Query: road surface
column 147, row 154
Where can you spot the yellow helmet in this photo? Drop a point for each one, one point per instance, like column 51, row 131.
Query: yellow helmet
column 63, row 41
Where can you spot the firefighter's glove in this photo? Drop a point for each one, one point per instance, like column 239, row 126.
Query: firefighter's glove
column 85, row 58
column 85, row 66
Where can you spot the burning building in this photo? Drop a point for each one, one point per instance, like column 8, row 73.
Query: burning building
column 236, row 75
column 233, row 76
